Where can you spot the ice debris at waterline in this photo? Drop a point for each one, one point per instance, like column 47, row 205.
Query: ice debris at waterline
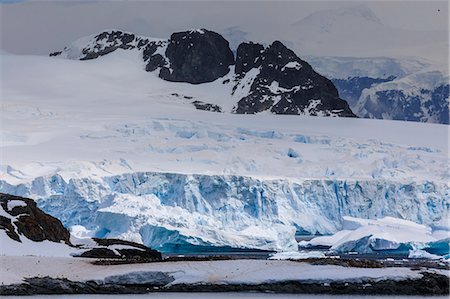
column 386, row 236
column 297, row 255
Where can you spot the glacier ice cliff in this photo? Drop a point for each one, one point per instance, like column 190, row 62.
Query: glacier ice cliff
column 168, row 210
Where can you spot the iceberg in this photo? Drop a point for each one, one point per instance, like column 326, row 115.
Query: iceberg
column 386, row 235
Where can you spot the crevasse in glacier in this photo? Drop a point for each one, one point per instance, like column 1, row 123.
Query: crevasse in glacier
column 168, row 210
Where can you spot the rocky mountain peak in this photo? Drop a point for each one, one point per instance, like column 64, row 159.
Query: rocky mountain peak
column 197, row 56
column 248, row 56
column 285, row 84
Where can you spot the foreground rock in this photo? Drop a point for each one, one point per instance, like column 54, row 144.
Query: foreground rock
column 21, row 217
column 78, row 275
column 120, row 249
column 30, row 231
column 429, row 284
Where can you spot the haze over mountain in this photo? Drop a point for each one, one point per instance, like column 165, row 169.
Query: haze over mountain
column 42, row 27
column 357, row 31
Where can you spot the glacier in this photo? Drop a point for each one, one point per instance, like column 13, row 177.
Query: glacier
column 169, row 211
column 154, row 169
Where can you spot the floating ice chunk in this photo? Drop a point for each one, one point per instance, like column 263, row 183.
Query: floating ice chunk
column 325, row 241
column 422, row 254
column 383, row 235
column 297, row 255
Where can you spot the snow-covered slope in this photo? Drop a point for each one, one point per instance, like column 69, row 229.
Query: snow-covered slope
column 105, row 145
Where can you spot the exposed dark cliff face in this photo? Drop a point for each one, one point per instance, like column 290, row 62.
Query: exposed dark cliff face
column 248, row 56
column 285, row 84
column 29, row 221
column 109, row 41
column 197, row 56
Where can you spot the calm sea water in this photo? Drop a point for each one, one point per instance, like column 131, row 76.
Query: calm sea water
column 224, row 296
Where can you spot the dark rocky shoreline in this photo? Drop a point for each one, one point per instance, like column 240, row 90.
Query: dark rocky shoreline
column 429, row 284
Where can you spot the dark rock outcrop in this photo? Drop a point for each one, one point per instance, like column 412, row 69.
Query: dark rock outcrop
column 197, row 56
column 248, row 56
column 57, row 53
column 109, row 41
column 154, row 62
column 28, row 220
column 285, row 84
column 124, row 250
column 206, row 106
column 105, row 43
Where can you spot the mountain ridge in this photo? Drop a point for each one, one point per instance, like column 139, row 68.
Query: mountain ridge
column 201, row 56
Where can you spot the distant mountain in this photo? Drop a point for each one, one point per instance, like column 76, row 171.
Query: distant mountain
column 235, row 36
column 331, row 21
column 262, row 78
column 412, row 89
column 420, row 97
column 335, row 67
column 352, row 87
column 356, row 31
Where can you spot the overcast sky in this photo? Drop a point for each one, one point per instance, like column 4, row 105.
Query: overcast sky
column 39, row 27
